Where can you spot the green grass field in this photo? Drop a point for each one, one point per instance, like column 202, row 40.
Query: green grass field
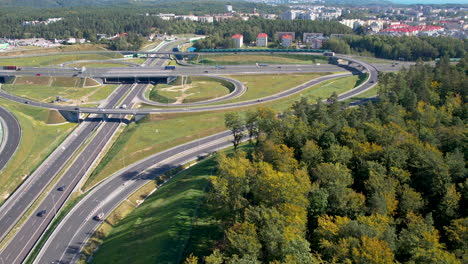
column 174, row 220
column 238, row 59
column 199, row 89
column 38, row 140
column 39, row 61
column 45, row 93
column 98, row 64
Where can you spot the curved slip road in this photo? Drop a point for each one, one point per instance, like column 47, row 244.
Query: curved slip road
column 239, row 89
column 67, row 240
column 10, row 138
column 65, row 243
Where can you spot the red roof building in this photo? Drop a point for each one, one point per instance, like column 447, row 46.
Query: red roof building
column 238, row 40
column 262, row 40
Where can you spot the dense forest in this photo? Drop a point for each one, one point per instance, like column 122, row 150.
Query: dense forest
column 406, row 48
column 385, row 182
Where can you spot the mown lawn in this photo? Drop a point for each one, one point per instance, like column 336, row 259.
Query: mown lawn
column 200, row 89
column 38, row 140
column 98, row 64
column 238, row 59
column 56, row 59
column 45, row 93
column 175, row 221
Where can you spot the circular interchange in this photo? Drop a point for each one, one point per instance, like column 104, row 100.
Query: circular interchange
column 236, row 88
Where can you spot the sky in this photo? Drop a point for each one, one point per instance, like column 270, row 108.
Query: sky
column 430, row 1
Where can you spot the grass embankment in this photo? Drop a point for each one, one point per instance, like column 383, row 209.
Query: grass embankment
column 238, row 59
column 173, row 222
column 46, row 89
column 191, row 89
column 162, row 131
column 55, row 59
column 38, row 140
column 98, row 64
column 31, row 50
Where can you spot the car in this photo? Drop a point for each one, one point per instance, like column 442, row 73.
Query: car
column 26, row 102
column 318, row 64
column 279, row 67
column 61, row 188
column 38, row 74
column 206, row 71
column 77, row 108
column 99, row 217
column 124, row 106
column 42, row 213
column 299, row 69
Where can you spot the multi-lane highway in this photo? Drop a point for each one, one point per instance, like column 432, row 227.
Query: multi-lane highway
column 30, row 231
column 25, row 238
column 65, row 247
column 10, row 139
column 27, row 193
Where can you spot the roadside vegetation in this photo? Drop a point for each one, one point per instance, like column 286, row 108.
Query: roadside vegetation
column 38, row 140
column 241, row 59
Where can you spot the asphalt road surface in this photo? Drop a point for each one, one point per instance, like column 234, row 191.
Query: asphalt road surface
column 23, row 197
column 11, row 136
column 66, row 242
column 25, row 238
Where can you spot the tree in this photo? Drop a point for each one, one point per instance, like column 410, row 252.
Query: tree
column 235, row 123
column 191, row 259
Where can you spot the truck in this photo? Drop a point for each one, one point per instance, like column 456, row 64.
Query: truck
column 261, row 64
column 12, row 68
column 169, row 67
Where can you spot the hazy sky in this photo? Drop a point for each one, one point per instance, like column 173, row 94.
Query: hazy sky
column 430, row 1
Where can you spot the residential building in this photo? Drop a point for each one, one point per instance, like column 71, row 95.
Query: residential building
column 279, row 35
column 238, row 40
column 262, row 40
column 286, row 40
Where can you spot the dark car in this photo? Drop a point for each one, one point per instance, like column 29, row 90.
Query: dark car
column 99, row 217
column 61, row 188
column 42, row 213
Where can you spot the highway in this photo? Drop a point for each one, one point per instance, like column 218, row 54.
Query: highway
column 11, row 136
column 22, row 242
column 18, row 248
column 66, row 242
column 65, row 247
column 28, row 192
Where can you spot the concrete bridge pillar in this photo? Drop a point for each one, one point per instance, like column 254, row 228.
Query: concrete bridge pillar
column 70, row 116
